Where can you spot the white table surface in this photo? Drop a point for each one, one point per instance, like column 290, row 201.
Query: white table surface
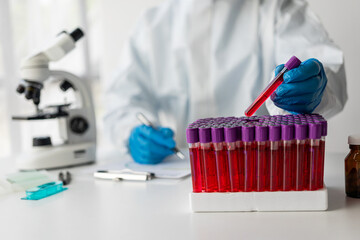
column 98, row 209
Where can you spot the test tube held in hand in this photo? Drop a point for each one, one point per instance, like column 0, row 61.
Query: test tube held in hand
column 273, row 85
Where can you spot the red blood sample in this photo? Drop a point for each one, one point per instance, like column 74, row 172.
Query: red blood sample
column 321, row 163
column 222, row 166
column 306, row 174
column 263, row 166
column 196, row 171
column 250, row 170
column 241, row 160
column 233, row 158
column 314, row 152
column 277, row 167
column 209, row 161
column 302, row 165
column 288, row 153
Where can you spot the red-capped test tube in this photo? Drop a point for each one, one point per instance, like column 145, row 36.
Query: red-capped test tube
column 208, row 157
column 233, row 157
column 288, row 154
column 314, row 154
column 276, row 161
column 192, row 137
column 248, row 137
column 262, row 158
column 222, row 166
column 302, row 160
column 273, row 85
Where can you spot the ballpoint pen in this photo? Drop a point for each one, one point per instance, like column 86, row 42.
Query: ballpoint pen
column 141, row 117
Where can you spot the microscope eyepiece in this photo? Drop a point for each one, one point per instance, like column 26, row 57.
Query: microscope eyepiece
column 77, row 34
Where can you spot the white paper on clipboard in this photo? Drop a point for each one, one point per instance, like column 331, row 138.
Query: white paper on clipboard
column 171, row 168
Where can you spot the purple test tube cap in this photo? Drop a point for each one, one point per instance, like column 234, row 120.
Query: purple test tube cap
column 217, row 134
column 314, row 130
column 231, row 134
column 275, row 132
column 301, row 131
column 293, row 62
column 261, row 133
column 287, row 131
column 248, row 133
column 205, row 134
column 192, row 135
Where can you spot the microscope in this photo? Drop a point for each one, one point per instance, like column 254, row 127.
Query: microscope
column 76, row 121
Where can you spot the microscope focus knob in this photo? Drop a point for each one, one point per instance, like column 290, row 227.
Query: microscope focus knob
column 41, row 141
column 79, row 125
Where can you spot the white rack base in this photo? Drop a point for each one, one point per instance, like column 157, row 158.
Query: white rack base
column 260, row 201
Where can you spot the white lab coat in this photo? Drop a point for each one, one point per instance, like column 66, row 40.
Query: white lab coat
column 190, row 59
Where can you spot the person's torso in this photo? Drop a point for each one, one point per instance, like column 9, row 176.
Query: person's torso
column 210, row 58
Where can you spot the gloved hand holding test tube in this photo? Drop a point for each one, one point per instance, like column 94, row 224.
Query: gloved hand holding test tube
column 141, row 117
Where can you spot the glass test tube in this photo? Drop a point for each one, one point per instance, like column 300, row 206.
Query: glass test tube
column 223, row 177
column 321, row 165
column 241, row 159
column 302, row 159
column 262, row 158
column 276, row 161
column 293, row 62
column 314, row 154
column 208, row 158
column 233, row 157
column 192, row 136
column 248, row 137
column 288, row 154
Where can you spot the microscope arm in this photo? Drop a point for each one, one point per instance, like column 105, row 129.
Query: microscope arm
column 35, row 69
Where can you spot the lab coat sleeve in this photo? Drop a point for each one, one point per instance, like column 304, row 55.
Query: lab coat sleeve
column 299, row 32
column 130, row 91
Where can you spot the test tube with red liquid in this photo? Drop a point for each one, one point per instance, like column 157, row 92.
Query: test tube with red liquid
column 222, row 166
column 321, row 162
column 288, row 154
column 276, row 161
column 302, row 159
column 241, row 159
column 248, row 137
column 192, row 137
column 208, row 157
column 233, row 157
column 273, row 85
column 262, row 158
column 314, row 154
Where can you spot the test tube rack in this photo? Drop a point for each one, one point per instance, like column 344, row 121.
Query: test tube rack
column 259, row 163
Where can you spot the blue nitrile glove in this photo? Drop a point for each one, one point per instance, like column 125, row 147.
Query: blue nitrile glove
column 302, row 89
column 150, row 146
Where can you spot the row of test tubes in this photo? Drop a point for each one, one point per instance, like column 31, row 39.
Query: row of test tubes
column 260, row 153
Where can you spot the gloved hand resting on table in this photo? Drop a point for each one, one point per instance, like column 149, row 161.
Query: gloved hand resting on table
column 150, row 146
column 302, row 89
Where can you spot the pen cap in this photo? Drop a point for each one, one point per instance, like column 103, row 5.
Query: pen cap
column 192, row 135
column 230, row 134
column 205, row 135
column 293, row 62
column 217, row 134
column 261, row 133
